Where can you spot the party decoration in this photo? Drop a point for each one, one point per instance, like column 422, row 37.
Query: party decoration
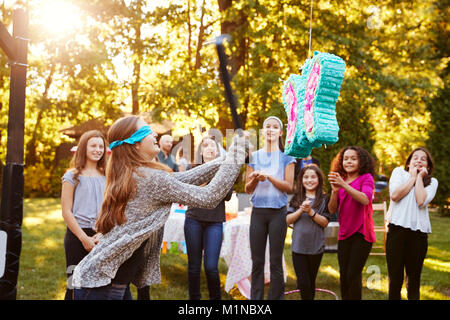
column 310, row 102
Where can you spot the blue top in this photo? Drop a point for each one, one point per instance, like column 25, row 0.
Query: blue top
column 266, row 195
column 87, row 198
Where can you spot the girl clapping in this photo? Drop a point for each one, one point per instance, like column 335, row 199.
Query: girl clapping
column 308, row 212
column 352, row 183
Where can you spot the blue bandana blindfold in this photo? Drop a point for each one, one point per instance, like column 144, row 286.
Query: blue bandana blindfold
column 138, row 136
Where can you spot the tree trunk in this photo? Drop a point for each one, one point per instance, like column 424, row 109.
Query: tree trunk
column 136, row 70
column 230, row 27
column 135, row 87
column 189, row 34
column 200, row 38
column 31, row 158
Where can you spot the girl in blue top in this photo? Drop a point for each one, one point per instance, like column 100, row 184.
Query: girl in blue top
column 269, row 176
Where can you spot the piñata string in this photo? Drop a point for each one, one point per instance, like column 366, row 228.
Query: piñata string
column 310, row 29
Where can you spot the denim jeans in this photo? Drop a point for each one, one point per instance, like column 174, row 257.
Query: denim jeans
column 108, row 292
column 203, row 239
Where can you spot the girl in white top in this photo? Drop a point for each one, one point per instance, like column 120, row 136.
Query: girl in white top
column 411, row 189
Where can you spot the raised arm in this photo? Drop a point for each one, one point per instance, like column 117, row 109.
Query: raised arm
column 419, row 189
column 200, row 174
column 364, row 196
column 164, row 188
column 333, row 204
column 399, row 191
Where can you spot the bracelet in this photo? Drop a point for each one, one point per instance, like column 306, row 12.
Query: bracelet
column 312, row 217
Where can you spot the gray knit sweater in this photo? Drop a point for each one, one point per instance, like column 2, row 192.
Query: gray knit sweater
column 146, row 215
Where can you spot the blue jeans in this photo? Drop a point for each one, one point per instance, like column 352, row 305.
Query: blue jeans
column 207, row 237
column 108, row 292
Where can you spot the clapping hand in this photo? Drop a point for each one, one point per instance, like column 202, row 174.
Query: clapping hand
column 306, row 206
column 336, row 180
column 258, row 175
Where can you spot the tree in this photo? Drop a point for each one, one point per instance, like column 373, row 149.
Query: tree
column 439, row 139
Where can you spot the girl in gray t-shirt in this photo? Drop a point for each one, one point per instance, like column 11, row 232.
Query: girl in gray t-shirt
column 308, row 211
column 81, row 199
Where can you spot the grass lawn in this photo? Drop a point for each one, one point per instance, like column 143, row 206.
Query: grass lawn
column 42, row 266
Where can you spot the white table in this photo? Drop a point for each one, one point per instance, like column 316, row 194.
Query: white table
column 237, row 255
column 235, row 250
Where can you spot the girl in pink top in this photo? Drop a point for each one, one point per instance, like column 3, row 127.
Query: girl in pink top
column 352, row 184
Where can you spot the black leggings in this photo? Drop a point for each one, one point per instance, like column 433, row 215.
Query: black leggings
column 405, row 252
column 352, row 256
column 75, row 252
column 267, row 222
column 306, row 267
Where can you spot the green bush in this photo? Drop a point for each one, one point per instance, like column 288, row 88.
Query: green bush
column 41, row 181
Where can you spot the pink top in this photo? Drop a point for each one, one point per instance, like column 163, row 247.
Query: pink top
column 353, row 216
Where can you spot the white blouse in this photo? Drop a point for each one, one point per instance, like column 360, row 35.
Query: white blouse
column 406, row 213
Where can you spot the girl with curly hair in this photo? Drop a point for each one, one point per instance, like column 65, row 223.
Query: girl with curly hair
column 352, row 184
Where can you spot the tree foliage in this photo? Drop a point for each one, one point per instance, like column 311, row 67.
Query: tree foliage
column 133, row 56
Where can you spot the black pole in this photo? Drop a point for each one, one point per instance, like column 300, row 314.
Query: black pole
column 11, row 210
column 225, row 76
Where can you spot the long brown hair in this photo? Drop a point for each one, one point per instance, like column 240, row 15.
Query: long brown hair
column 79, row 159
column 120, row 185
column 300, row 195
column 430, row 162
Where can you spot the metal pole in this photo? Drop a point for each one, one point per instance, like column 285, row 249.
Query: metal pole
column 11, row 210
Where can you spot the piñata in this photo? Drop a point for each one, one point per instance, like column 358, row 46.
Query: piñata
column 310, row 104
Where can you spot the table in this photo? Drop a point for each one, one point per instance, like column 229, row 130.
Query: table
column 174, row 228
column 237, row 255
column 235, row 250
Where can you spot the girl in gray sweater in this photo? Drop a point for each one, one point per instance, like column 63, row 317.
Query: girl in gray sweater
column 137, row 200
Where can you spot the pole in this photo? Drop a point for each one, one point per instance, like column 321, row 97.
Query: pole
column 225, row 76
column 11, row 209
